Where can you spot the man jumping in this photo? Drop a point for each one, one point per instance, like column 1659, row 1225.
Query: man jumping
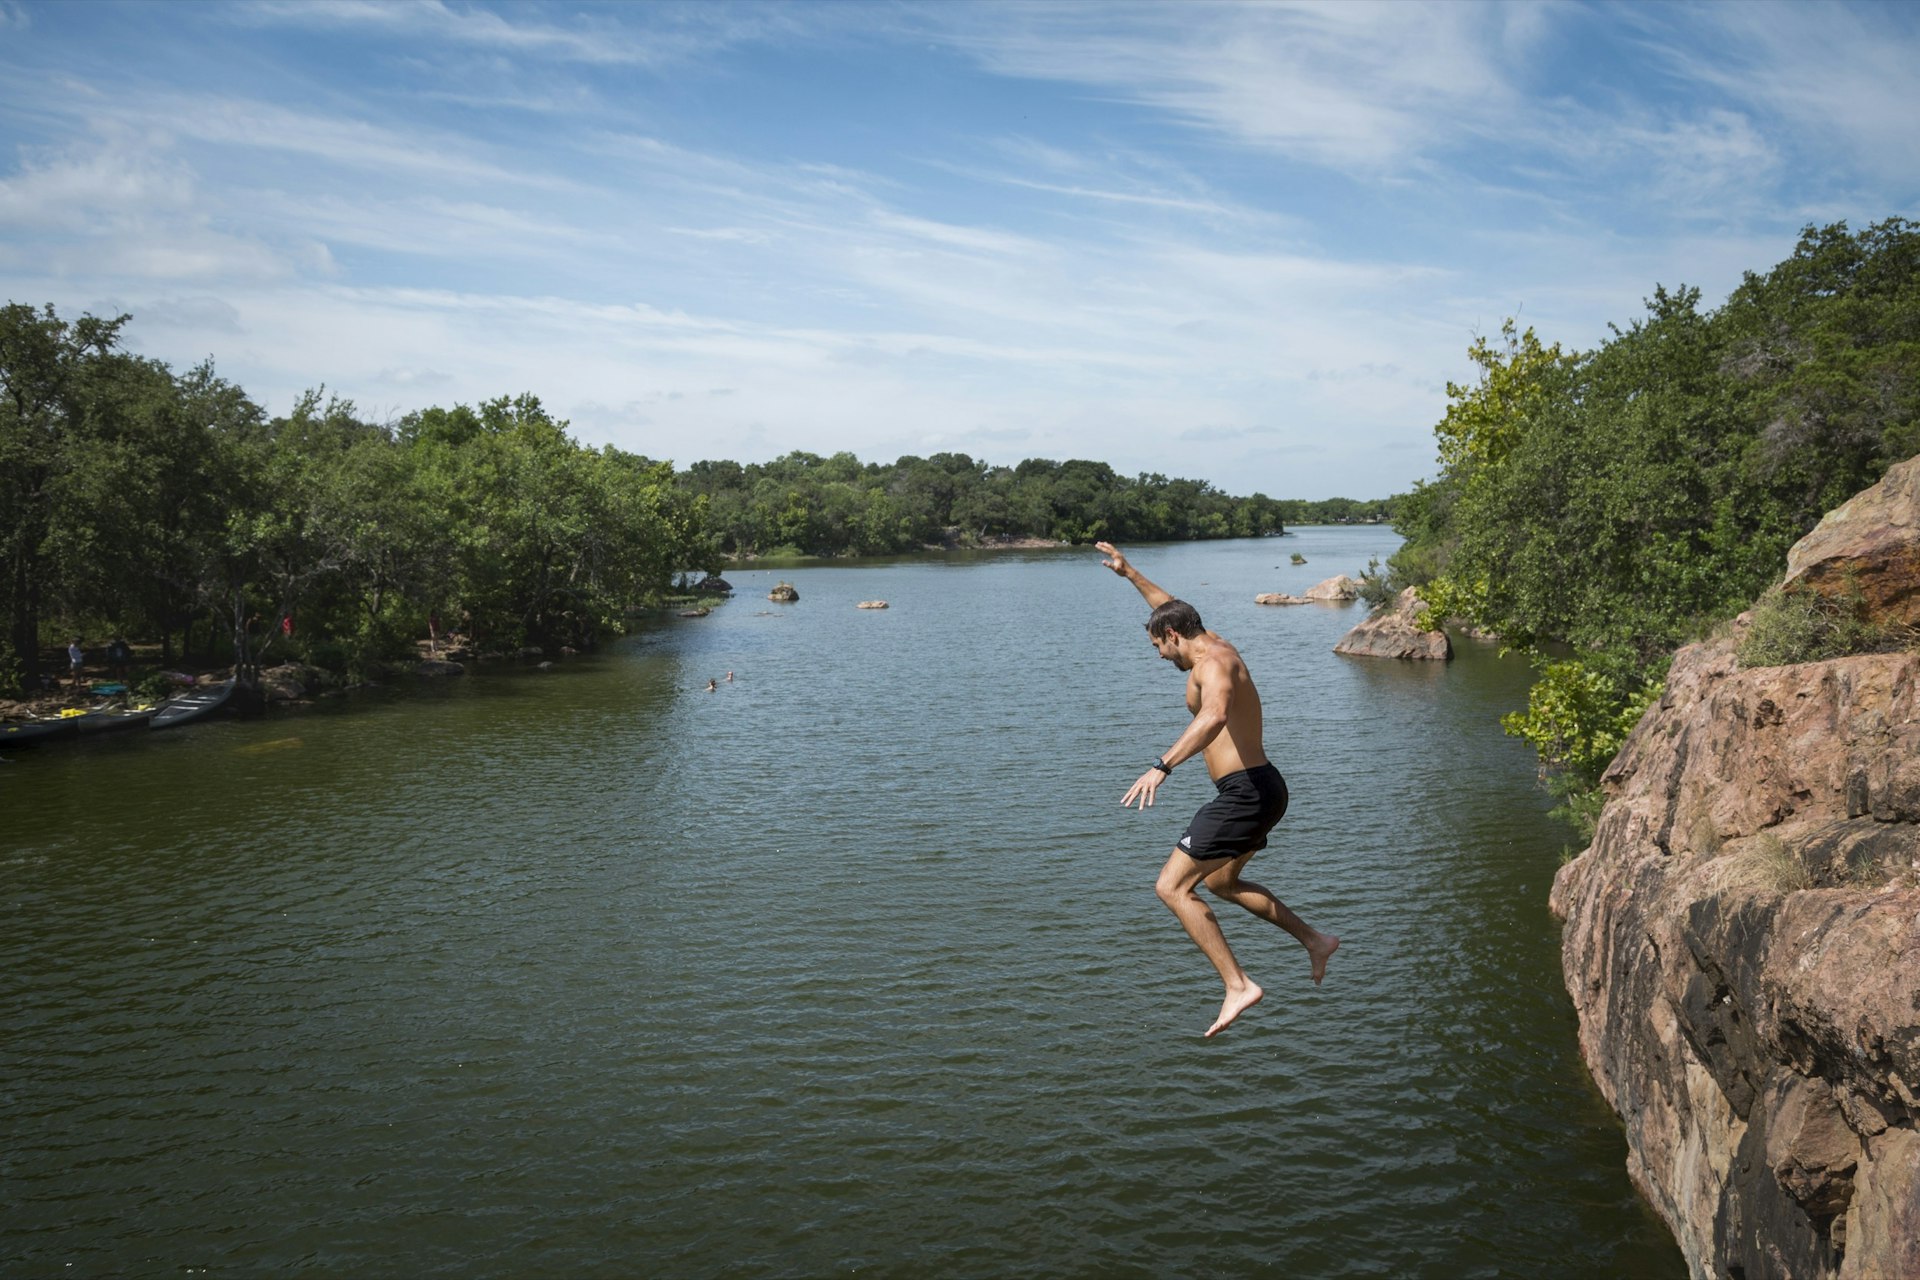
column 1233, row 826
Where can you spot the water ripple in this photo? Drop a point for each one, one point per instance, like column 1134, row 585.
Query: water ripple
column 852, row 965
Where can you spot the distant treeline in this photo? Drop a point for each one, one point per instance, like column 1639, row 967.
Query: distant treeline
column 170, row 507
column 1625, row 500
column 806, row 504
column 1339, row 510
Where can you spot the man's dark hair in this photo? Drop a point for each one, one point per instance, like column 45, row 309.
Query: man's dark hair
column 1176, row 616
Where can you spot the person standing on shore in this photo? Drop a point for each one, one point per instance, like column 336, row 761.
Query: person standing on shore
column 1250, row 798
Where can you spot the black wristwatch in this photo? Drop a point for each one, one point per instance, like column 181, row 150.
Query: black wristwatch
column 1162, row 765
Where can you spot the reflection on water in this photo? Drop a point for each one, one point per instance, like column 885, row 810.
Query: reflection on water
column 853, row 964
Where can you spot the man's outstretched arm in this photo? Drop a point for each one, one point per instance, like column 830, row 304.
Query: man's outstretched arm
column 1118, row 563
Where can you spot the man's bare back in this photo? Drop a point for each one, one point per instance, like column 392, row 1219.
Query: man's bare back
column 1227, row 832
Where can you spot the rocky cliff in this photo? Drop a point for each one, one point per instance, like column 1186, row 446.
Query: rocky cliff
column 1742, row 938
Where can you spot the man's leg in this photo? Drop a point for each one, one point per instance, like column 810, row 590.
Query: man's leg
column 1226, row 883
column 1178, row 888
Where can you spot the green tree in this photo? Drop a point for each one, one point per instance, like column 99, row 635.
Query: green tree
column 44, row 363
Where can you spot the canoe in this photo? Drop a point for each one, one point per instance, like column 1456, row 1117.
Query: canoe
column 192, row 706
column 111, row 720
column 31, row 733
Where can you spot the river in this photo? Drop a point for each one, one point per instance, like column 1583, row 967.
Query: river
column 853, row 965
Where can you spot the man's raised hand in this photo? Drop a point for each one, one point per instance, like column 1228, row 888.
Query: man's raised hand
column 1118, row 562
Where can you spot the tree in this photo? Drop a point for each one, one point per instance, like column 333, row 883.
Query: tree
column 43, row 362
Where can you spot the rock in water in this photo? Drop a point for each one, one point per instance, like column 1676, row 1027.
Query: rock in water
column 871, row 604
column 1280, row 597
column 1395, row 632
column 783, row 592
column 1339, row 587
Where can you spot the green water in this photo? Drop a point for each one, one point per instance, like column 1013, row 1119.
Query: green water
column 853, row 965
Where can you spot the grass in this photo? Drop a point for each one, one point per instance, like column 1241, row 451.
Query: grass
column 1766, row 864
column 1791, row 625
column 1864, row 871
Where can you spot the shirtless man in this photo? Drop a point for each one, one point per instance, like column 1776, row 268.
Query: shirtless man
column 1233, row 826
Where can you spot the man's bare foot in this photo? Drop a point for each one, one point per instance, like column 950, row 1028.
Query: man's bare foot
column 1236, row 1003
column 1320, row 952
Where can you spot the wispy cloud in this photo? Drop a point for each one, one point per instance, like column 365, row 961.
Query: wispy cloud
column 1832, row 75
column 1353, row 86
column 341, row 141
column 82, row 185
column 672, row 33
column 1245, row 242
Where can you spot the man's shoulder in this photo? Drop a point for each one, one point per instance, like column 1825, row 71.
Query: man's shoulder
column 1220, row 661
column 1221, row 649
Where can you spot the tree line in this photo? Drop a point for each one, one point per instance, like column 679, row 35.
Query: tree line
column 1600, row 508
column 805, row 504
column 170, row 506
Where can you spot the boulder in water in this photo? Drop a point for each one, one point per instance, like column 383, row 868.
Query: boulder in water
column 1340, row 587
column 1395, row 632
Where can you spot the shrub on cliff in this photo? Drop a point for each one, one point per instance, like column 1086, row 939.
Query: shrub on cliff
column 1793, row 624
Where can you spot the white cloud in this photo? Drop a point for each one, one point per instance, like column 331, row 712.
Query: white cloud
column 948, row 235
column 1837, row 76
column 121, row 206
column 102, row 182
column 593, row 38
column 202, row 313
column 343, row 142
column 1356, row 87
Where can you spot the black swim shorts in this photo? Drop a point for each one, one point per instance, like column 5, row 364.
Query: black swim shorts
column 1237, row 820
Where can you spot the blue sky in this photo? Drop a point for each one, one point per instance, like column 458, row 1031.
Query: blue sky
column 1243, row 243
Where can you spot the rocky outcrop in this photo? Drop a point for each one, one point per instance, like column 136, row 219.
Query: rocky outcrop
column 438, row 667
column 871, row 604
column 1394, row 631
column 1742, row 947
column 1280, row 597
column 1869, row 544
column 784, row 593
column 1340, row 587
